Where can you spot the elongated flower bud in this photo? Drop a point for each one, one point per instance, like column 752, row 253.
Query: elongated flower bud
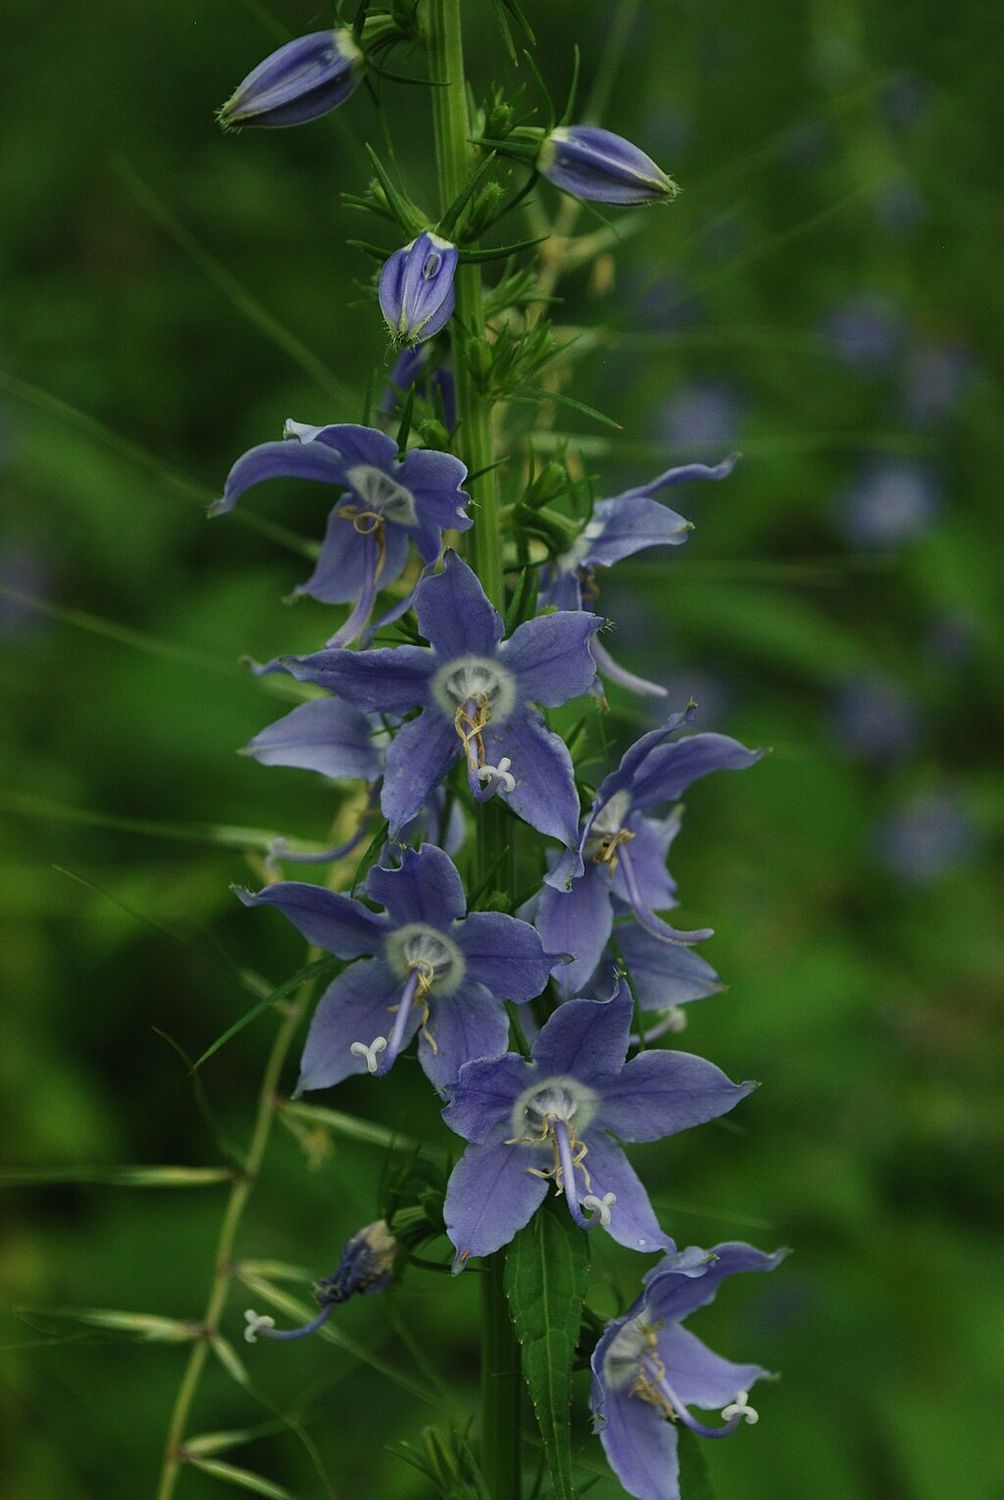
column 416, row 288
column 596, row 164
column 301, row 81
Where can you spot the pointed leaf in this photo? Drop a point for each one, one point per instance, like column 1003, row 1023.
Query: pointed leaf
column 167, row 1177
column 547, row 1267
column 351, row 1128
column 148, row 1328
column 230, row 1360
column 218, row 1442
column 244, row 1479
column 695, row 1481
column 309, row 971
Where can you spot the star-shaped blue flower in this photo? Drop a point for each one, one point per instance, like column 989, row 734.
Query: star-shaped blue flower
column 648, row 1370
column 477, row 694
column 618, row 528
column 548, row 1120
column 424, row 965
column 388, row 503
column 623, row 852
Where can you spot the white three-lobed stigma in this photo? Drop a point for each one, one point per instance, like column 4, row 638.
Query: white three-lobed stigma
column 371, row 1052
column 740, row 1407
column 255, row 1323
column 498, row 776
column 600, row 1206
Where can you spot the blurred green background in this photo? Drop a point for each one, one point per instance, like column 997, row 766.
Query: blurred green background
column 825, row 296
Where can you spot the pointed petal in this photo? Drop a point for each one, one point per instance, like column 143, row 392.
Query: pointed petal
column 323, row 735
column 544, row 795
column 670, row 769
column 435, row 480
column 639, row 1443
column 664, row 973
column 359, row 445
column 672, row 1297
column 684, row 473
column 418, row 757
column 659, row 1093
column 504, row 954
column 284, row 460
column 454, row 614
column 607, row 667
column 577, row 921
column 632, row 1218
column 426, row 888
column 349, row 560
column 482, row 1098
column 647, row 853
column 630, row 524
column 587, row 1039
column 355, row 1008
column 490, row 1196
column 389, row 681
column 551, row 657
column 466, row 1025
column 326, row 918
column 700, row 1377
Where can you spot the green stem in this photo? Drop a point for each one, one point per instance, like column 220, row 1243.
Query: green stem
column 501, row 1380
column 174, row 1455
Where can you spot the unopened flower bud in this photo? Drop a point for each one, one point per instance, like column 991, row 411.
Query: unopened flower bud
column 550, row 482
column 366, row 1266
column 479, row 357
column 303, row 80
column 596, row 164
column 416, row 288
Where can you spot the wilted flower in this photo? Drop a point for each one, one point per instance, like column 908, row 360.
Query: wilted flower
column 416, row 288
column 477, row 694
column 366, row 1266
column 388, row 503
column 648, row 1370
column 425, row 963
column 548, row 1120
column 596, row 164
column 301, row 81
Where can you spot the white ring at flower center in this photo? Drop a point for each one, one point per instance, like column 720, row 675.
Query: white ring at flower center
column 475, row 677
column 415, row 945
column 379, row 492
column 557, row 1098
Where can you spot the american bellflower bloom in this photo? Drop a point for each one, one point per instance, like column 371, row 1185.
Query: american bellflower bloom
column 416, row 288
column 388, row 502
column 648, row 1370
column 306, row 78
column 476, row 692
column 423, row 966
column 596, row 164
column 547, row 1120
column 619, row 527
column 623, row 849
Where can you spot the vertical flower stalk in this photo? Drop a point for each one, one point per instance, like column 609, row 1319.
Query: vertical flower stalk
column 501, row 1379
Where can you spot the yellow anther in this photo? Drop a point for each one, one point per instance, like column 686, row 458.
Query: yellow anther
column 470, row 728
column 607, row 854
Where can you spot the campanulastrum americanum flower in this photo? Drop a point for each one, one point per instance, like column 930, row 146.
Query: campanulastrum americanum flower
column 531, row 1123
column 648, row 1370
column 595, row 164
column 424, row 966
column 388, row 503
column 477, row 694
column 416, row 288
column 300, row 81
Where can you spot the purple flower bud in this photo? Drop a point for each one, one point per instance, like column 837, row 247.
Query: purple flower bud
column 301, row 81
column 416, row 288
column 592, row 163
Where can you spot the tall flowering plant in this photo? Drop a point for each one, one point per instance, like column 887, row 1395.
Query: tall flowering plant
column 507, row 914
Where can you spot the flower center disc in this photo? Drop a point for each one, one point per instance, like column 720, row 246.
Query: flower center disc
column 379, row 492
column 553, row 1099
column 478, row 680
column 417, row 946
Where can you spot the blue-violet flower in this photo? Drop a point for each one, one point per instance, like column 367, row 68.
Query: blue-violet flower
column 301, row 81
column 596, row 164
column 423, row 966
column 547, row 1120
column 648, row 1370
column 366, row 1267
column 416, row 288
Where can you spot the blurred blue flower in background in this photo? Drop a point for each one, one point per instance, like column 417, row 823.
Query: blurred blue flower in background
column 894, row 501
column 865, row 331
column 874, row 719
column 928, row 837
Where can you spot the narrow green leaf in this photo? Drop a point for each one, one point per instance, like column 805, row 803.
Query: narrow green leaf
column 230, row 1360
column 538, row 393
column 309, row 971
column 547, row 1267
column 117, row 1176
column 695, row 1481
column 352, row 1129
column 146, row 1328
column 218, row 1442
column 243, row 1479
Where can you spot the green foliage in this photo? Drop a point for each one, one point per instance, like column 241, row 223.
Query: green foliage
column 547, row 1268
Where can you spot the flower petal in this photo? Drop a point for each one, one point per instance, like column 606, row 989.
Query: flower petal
column 349, row 560
column 504, row 954
column 284, row 460
column 682, row 474
column 587, row 1039
column 629, row 524
column 632, row 1218
column 489, row 1197
column 360, row 445
column 482, row 1098
column 466, row 1025
column 670, row 769
column 664, row 973
column 355, row 1008
column 418, row 757
column 697, row 1375
column 544, row 795
column 425, row 888
column 454, row 613
column 671, row 1296
column 389, row 681
column 551, row 657
column 576, row 921
column 659, row 1093
column 435, row 480
column 647, row 852
column 326, row 918
column 323, row 735
column 639, row 1443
